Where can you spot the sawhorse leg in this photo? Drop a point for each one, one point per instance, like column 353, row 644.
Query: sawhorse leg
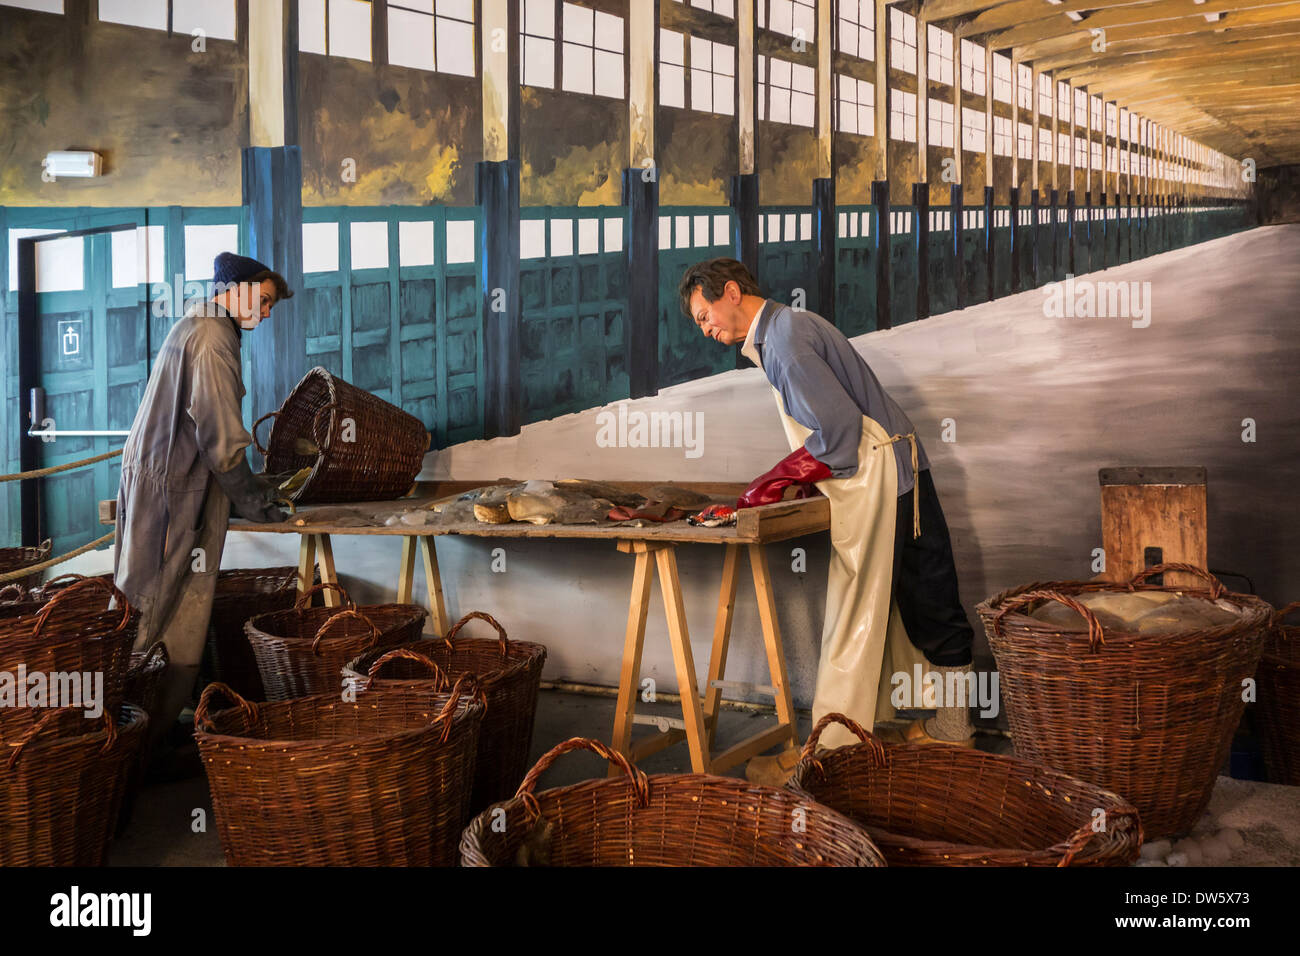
column 313, row 547
column 432, row 578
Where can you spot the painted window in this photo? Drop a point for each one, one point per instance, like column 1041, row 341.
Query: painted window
column 415, row 243
column 1044, row 95
column 902, row 116
column 938, row 55
column 672, row 68
column 537, row 46
column 1063, row 149
column 593, row 52
column 369, row 245
column 1024, row 141
column 1024, row 87
column 320, row 247
column 713, row 77
column 1080, row 153
column 1044, row 145
column 1001, row 136
column 856, row 35
column 1095, row 149
column 857, row 105
column 40, row 6
column 902, row 41
column 1080, row 108
column 1095, row 112
column 1112, row 125
column 337, row 28
column 973, row 78
column 787, row 92
column 460, row 241
column 203, row 244
column 1001, row 78
column 1063, row 101
column 939, row 123
column 1112, row 159
column 60, row 263
column 972, row 130
column 426, row 37
column 213, row 19
column 723, row 8
column 136, row 256
column 794, row 18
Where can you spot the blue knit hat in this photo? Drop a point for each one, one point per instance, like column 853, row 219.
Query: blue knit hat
column 229, row 268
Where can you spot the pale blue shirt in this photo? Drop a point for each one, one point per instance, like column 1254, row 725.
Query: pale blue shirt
column 827, row 388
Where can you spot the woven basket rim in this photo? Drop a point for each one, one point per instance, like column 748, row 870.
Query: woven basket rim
column 530, row 655
column 1107, row 799
column 416, row 612
column 96, row 732
column 465, row 709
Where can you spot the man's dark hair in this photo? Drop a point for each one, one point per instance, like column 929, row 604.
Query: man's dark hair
column 711, row 278
column 282, row 290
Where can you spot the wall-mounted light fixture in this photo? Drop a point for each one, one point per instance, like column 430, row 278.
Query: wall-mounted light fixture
column 73, row 164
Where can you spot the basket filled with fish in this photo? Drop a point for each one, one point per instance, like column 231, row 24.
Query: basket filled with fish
column 331, row 442
column 1134, row 687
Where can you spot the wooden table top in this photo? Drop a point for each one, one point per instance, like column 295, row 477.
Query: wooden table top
column 777, row 522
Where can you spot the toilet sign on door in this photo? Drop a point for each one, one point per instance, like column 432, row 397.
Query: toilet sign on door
column 70, row 337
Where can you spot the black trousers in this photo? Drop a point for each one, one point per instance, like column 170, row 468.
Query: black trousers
column 925, row 581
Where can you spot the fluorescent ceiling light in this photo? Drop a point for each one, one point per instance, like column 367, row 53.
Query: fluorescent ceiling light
column 1076, row 17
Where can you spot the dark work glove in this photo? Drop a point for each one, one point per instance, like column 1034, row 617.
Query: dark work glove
column 796, row 468
column 249, row 498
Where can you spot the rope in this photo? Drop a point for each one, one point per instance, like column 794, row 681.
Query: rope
column 916, row 485
column 54, row 469
column 33, row 568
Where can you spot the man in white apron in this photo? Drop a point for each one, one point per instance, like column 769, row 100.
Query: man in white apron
column 891, row 595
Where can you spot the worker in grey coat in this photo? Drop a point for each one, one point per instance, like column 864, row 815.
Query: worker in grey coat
column 184, row 470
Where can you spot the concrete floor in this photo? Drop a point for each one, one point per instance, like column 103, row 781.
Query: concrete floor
column 162, row 831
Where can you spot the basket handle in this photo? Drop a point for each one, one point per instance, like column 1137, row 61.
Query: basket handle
column 1095, row 637
column 305, row 597
column 1217, row 589
column 640, row 782
column 71, row 576
column 376, row 634
column 402, row 653
column 866, row 736
column 1081, row 837
column 482, row 616
column 1283, row 611
column 257, row 443
column 156, row 651
column 467, row 685
column 21, row 591
column 201, row 716
column 315, row 428
column 64, row 596
column 39, row 726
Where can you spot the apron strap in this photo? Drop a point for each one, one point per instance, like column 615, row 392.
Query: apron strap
column 916, row 485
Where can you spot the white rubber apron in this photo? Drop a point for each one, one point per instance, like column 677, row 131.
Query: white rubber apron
column 863, row 639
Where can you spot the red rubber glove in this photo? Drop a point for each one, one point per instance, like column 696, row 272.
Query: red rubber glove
column 796, row 468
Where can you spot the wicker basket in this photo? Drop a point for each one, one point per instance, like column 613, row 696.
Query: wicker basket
column 1149, row 716
column 949, row 806
column 321, row 781
column 510, row 673
column 374, row 458
column 71, row 633
column 47, row 589
column 664, row 820
column 61, row 787
column 242, row 594
column 302, row 651
column 15, row 559
column 1278, row 710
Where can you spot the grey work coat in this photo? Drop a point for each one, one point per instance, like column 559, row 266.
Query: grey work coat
column 171, row 513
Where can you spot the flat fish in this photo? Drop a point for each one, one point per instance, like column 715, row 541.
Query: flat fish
column 1068, row 619
column 677, row 497
column 542, row 502
column 492, row 506
column 1186, row 614
column 599, row 489
column 1124, row 605
column 295, row 481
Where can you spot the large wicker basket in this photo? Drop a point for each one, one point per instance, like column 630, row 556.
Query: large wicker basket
column 61, row 786
column 15, row 559
column 510, row 674
column 366, row 448
column 73, row 633
column 1278, row 707
column 1149, row 716
column 244, row 593
column 949, row 806
column 323, row 781
column 302, row 651
column 662, row 820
